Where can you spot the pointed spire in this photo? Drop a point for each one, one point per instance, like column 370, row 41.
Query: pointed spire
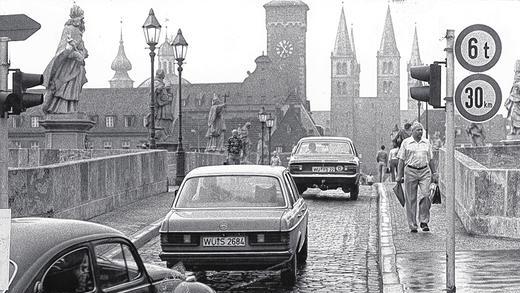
column 415, row 58
column 121, row 65
column 352, row 37
column 388, row 45
column 342, row 46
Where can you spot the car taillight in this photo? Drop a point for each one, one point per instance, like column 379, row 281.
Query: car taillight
column 179, row 239
column 164, row 238
column 284, row 238
column 296, row 167
column 260, row 238
column 268, row 238
column 186, row 238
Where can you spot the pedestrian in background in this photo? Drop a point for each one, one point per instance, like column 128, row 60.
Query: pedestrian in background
column 382, row 162
column 234, row 147
column 403, row 134
column 275, row 159
column 417, row 168
column 393, row 161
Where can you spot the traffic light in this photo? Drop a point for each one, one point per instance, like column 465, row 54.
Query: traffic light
column 432, row 92
column 23, row 100
column 6, row 101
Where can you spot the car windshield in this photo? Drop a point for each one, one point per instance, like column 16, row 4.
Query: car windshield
column 231, row 192
column 324, row 147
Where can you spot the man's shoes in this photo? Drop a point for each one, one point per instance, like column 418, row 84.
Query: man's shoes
column 413, row 230
column 424, row 227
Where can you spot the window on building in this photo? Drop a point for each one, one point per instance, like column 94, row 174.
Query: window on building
column 107, row 144
column 390, row 67
column 17, row 121
column 129, row 121
column 109, row 121
column 17, row 143
column 125, row 144
column 145, row 121
column 184, row 102
column 35, row 121
column 289, row 129
column 279, row 149
column 35, row 144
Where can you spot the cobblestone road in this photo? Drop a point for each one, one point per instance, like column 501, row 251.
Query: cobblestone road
column 342, row 250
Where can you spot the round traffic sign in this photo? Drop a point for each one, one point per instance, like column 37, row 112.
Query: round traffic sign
column 478, row 48
column 478, row 97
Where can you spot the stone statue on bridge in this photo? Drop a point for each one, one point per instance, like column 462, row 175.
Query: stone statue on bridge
column 65, row 75
column 216, row 126
column 512, row 105
column 163, row 107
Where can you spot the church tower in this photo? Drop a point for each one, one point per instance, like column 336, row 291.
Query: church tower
column 121, row 65
column 344, row 81
column 286, row 24
column 388, row 62
column 415, row 60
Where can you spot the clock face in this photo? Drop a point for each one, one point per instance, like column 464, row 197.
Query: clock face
column 284, row 49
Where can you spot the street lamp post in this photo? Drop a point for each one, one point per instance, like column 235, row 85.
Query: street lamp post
column 152, row 32
column 180, row 47
column 270, row 124
column 262, row 116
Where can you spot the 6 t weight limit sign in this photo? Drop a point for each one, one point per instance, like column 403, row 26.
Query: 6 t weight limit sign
column 478, row 98
column 478, row 48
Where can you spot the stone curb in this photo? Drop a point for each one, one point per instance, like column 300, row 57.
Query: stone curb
column 391, row 282
column 140, row 238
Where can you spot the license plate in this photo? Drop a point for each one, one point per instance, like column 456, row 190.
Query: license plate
column 223, row 241
column 323, row 169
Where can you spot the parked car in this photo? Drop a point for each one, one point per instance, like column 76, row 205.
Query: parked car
column 326, row 162
column 237, row 217
column 58, row 255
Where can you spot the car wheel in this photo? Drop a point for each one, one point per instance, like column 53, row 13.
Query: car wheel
column 354, row 192
column 289, row 274
column 302, row 255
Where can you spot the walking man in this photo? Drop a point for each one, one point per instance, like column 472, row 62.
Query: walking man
column 393, row 161
column 234, row 146
column 417, row 168
column 382, row 162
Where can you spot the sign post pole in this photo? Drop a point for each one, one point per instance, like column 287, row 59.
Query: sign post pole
column 449, row 163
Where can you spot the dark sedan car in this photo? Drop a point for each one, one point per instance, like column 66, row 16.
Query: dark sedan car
column 57, row 255
column 239, row 217
column 326, row 162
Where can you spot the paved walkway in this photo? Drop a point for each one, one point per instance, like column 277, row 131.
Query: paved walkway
column 138, row 223
column 482, row 264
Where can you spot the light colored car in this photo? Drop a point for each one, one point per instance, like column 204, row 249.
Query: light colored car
column 58, row 255
column 326, row 162
column 237, row 217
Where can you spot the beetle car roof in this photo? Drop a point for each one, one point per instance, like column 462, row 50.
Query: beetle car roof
column 32, row 238
column 237, row 170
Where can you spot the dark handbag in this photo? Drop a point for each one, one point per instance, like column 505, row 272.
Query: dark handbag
column 435, row 193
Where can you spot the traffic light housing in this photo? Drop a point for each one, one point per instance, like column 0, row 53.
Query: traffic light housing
column 432, row 92
column 18, row 100
column 21, row 82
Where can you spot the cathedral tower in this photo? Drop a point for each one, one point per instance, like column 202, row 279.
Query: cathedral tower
column 344, row 81
column 286, row 24
column 121, row 65
column 415, row 60
column 388, row 62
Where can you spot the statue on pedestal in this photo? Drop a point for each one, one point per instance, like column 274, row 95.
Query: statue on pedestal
column 163, row 107
column 65, row 75
column 216, row 126
column 512, row 105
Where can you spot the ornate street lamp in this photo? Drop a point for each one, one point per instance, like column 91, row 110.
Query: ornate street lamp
column 262, row 116
column 180, row 48
column 152, row 32
column 270, row 124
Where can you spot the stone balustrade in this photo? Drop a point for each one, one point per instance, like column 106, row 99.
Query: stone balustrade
column 193, row 160
column 52, row 183
column 487, row 189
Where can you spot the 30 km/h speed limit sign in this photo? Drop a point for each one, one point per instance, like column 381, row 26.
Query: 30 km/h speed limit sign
column 478, row 48
column 478, row 98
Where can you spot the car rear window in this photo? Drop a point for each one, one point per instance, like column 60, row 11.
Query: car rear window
column 324, row 147
column 231, row 192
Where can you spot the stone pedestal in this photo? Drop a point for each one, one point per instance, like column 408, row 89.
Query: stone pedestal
column 511, row 140
column 66, row 131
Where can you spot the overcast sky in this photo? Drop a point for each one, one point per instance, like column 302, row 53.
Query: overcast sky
column 226, row 36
